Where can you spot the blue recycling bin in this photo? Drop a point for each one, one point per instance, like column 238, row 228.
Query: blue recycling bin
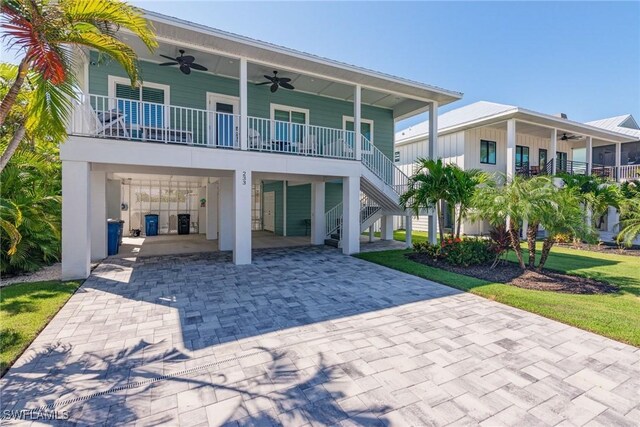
column 151, row 225
column 113, row 234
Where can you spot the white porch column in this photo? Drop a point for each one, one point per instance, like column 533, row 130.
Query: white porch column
column 523, row 232
column 370, row 233
column 589, row 157
column 76, row 220
column 350, row 215
column 613, row 218
column 409, row 232
column 357, row 120
column 244, row 142
column 212, row 211
column 554, row 150
column 618, row 159
column 386, row 227
column 318, row 225
column 226, row 214
column 98, row 215
column 242, row 224
column 432, row 225
column 511, row 149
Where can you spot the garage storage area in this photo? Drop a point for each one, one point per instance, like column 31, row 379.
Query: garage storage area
column 175, row 201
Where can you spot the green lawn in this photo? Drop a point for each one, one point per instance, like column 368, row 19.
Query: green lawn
column 615, row 315
column 25, row 309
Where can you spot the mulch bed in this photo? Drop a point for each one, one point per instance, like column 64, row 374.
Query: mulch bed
column 608, row 249
column 510, row 274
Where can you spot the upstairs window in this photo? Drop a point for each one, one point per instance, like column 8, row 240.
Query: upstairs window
column 488, row 152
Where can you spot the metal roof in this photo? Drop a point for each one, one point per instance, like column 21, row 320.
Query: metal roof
column 263, row 52
column 484, row 113
column 625, row 124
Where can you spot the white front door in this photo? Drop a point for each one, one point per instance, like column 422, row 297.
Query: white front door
column 223, row 121
column 269, row 213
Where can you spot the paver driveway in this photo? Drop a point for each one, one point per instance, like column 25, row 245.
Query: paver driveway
column 309, row 336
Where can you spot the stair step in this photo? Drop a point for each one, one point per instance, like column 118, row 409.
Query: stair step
column 332, row 242
column 335, row 237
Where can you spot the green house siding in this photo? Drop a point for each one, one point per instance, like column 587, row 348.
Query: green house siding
column 299, row 205
column 279, row 196
column 190, row 91
column 332, row 195
column 298, row 209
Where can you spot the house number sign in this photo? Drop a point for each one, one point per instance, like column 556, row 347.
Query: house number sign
column 244, row 177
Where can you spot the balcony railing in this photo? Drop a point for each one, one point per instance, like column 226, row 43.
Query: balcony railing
column 106, row 117
column 298, row 138
column 119, row 118
column 628, row 172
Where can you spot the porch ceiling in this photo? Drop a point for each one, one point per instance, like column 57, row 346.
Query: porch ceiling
column 219, row 52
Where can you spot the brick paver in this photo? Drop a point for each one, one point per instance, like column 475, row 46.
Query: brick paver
column 308, row 336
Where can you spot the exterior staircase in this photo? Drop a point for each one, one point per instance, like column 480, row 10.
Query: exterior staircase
column 381, row 184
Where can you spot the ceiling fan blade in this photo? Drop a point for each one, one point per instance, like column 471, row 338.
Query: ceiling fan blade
column 263, row 83
column 284, row 79
column 270, row 78
column 164, row 64
column 187, row 59
column 198, row 67
column 286, row 85
column 274, row 87
column 185, row 68
column 168, row 57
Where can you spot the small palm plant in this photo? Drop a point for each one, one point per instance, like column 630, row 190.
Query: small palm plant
column 462, row 186
column 428, row 187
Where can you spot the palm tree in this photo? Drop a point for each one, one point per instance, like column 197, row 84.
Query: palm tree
column 540, row 190
column 428, row 187
column 596, row 194
column 630, row 220
column 45, row 31
column 462, row 186
column 509, row 204
column 562, row 215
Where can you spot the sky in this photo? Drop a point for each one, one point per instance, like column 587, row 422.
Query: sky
column 579, row 58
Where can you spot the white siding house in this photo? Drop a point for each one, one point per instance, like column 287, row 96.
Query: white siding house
column 513, row 140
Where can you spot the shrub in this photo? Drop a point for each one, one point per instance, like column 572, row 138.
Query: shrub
column 466, row 251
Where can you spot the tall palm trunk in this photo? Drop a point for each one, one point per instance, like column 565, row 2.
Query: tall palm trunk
column 515, row 243
column 459, row 221
column 12, row 147
column 11, row 96
column 546, row 249
column 532, row 233
column 440, row 224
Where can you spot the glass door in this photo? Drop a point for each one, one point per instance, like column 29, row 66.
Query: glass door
column 366, row 129
column 223, row 126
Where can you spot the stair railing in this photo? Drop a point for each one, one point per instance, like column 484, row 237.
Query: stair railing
column 368, row 207
column 383, row 167
column 333, row 220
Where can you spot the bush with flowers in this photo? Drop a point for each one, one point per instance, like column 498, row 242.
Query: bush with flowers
column 454, row 250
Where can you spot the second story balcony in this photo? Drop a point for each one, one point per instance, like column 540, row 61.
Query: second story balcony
column 126, row 119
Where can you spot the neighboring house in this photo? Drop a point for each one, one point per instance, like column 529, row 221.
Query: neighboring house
column 236, row 155
column 629, row 152
column 512, row 140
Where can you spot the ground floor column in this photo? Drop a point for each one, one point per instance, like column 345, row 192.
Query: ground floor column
column 386, row 228
column 242, row 223
column 351, row 215
column 212, row 211
column 76, row 220
column 409, row 232
column 318, row 221
column 98, row 215
column 225, row 214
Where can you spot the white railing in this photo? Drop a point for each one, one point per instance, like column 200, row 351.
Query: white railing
column 333, row 220
column 276, row 136
column 628, row 172
column 383, row 167
column 108, row 117
column 368, row 207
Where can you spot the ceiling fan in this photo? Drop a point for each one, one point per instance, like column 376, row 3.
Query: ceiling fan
column 185, row 62
column 276, row 82
column 566, row 137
